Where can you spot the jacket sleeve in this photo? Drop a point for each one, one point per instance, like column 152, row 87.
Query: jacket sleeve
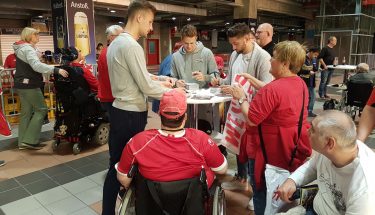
column 211, row 64
column 232, row 58
column 174, row 67
column 91, row 80
column 138, row 69
column 33, row 60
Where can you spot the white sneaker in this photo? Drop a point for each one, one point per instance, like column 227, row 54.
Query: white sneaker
column 250, row 206
column 236, row 184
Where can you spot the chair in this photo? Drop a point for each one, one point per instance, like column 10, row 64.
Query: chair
column 183, row 197
column 357, row 95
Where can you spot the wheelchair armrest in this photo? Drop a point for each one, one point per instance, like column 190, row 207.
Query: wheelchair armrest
column 133, row 171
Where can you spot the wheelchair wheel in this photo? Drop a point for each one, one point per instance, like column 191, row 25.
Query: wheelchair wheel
column 127, row 206
column 219, row 204
column 101, row 134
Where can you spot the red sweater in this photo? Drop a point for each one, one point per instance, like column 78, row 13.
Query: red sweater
column 105, row 92
column 88, row 76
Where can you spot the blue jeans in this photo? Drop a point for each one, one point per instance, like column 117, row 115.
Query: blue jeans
column 259, row 195
column 325, row 78
column 124, row 125
column 310, row 107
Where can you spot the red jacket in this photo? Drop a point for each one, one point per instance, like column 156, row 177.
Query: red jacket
column 105, row 92
column 88, row 76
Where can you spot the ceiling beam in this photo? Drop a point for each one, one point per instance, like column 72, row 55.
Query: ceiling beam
column 159, row 6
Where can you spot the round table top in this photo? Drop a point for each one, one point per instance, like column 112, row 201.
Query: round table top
column 216, row 99
column 343, row 67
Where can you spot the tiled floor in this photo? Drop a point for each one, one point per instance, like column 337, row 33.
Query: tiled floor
column 47, row 182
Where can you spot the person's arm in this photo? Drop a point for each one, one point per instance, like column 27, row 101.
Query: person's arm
column 257, row 84
column 213, row 157
column 212, row 67
column 303, row 175
column 123, row 166
column 366, row 123
column 91, row 79
column 174, row 72
column 137, row 66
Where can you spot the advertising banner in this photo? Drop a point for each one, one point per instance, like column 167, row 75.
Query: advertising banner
column 80, row 25
column 235, row 125
column 59, row 24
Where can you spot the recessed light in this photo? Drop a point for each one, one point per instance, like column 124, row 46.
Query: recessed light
column 227, row 23
column 40, row 16
column 188, row 19
column 112, row 11
column 173, row 18
column 120, row 22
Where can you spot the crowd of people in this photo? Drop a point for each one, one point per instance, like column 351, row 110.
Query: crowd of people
column 276, row 108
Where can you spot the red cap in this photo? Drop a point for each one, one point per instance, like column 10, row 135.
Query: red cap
column 173, row 104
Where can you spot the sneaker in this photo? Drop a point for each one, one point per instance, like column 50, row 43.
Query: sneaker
column 2, row 162
column 250, row 206
column 236, row 184
column 311, row 114
column 30, row 146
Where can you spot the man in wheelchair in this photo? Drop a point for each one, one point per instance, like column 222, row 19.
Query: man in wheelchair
column 170, row 162
column 342, row 167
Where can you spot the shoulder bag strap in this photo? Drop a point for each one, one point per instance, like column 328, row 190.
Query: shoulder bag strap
column 294, row 152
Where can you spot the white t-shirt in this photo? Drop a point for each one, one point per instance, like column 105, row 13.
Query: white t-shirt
column 346, row 190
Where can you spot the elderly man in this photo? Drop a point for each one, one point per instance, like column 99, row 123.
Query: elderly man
column 264, row 36
column 343, row 168
column 363, row 75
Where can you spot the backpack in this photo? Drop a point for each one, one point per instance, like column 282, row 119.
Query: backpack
column 330, row 104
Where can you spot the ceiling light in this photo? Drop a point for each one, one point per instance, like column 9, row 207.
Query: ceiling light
column 112, row 11
column 173, row 18
column 188, row 19
column 120, row 22
column 40, row 16
column 227, row 23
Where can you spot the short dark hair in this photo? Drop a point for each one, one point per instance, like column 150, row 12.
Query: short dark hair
column 314, row 49
column 239, row 30
column 188, row 31
column 139, row 5
column 172, row 123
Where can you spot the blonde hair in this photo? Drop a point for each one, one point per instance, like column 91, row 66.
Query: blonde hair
column 27, row 32
column 291, row 52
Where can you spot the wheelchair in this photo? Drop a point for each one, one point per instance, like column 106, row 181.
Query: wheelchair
column 354, row 98
column 79, row 116
column 183, row 197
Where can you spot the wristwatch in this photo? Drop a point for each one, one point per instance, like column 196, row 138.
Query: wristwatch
column 241, row 100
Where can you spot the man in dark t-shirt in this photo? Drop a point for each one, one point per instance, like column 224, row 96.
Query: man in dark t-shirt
column 326, row 57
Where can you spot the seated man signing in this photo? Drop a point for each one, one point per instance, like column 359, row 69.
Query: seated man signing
column 343, row 168
column 173, row 152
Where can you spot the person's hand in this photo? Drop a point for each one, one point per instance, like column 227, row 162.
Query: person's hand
column 166, row 84
column 246, row 75
column 285, row 191
column 181, row 90
column 154, row 77
column 238, row 92
column 197, row 75
column 226, row 89
column 180, row 83
column 63, row 73
column 171, row 80
column 325, row 67
column 215, row 82
column 312, row 72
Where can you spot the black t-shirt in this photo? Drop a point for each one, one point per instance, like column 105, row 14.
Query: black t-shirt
column 328, row 55
column 269, row 48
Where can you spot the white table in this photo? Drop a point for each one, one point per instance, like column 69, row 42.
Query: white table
column 345, row 68
column 195, row 102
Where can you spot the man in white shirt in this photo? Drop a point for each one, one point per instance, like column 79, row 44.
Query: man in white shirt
column 343, row 168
